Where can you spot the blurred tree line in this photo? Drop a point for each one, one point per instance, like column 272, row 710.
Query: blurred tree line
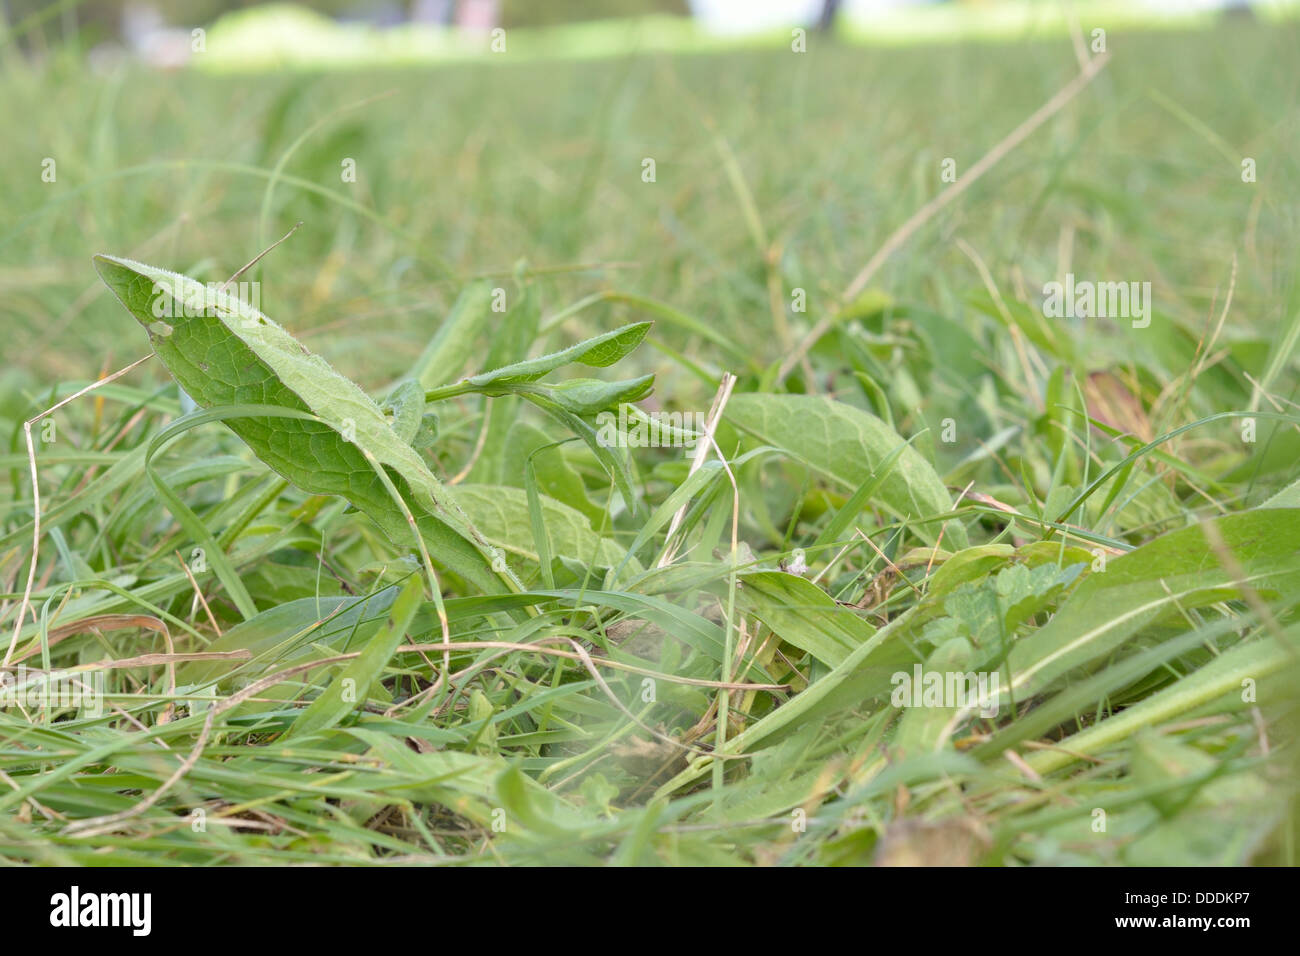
column 531, row 13
column 101, row 19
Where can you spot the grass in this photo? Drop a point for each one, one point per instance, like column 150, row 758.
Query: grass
column 686, row 670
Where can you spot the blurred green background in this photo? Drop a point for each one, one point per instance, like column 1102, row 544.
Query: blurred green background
column 775, row 170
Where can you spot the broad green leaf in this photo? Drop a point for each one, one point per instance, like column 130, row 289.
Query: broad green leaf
column 199, row 532
column 500, row 512
column 540, row 810
column 839, row 525
column 1288, row 497
column 968, row 565
column 229, row 354
column 849, row 445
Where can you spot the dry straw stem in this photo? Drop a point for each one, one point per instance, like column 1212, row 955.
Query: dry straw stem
column 923, row 215
column 36, row 498
column 151, row 660
column 703, row 444
column 99, row 622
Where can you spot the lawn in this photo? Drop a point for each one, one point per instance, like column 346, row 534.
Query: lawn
column 591, row 651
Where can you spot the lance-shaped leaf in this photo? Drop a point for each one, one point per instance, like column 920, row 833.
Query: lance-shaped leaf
column 598, row 352
column 452, row 345
column 590, row 396
column 223, row 352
